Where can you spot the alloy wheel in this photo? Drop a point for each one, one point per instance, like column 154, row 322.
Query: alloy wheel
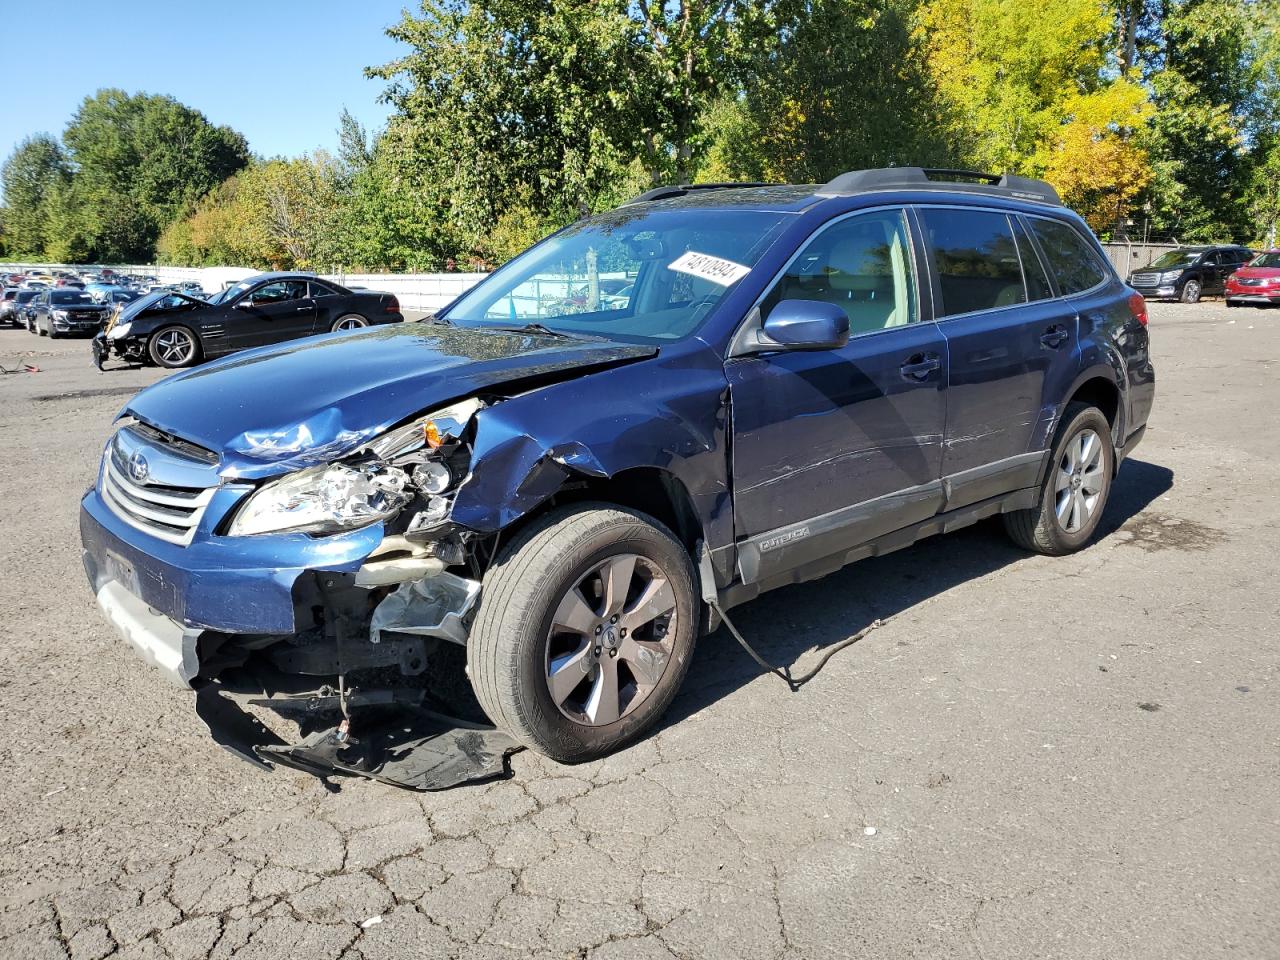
column 610, row 639
column 350, row 323
column 1079, row 483
column 175, row 347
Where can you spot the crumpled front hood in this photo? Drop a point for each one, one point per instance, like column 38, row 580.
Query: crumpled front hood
column 285, row 407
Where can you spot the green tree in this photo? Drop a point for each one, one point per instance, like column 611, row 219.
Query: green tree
column 1205, row 69
column 1033, row 87
column 139, row 161
column 842, row 87
column 36, row 168
column 544, row 108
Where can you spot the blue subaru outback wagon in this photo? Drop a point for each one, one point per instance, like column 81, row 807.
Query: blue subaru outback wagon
column 649, row 417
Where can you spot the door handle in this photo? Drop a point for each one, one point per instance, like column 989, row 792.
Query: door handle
column 301, row 309
column 918, row 366
column 1055, row 336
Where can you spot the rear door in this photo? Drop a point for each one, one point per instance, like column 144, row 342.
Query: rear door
column 1011, row 345
column 271, row 312
column 832, row 448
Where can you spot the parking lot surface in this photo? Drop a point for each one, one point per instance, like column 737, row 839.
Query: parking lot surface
column 1031, row 757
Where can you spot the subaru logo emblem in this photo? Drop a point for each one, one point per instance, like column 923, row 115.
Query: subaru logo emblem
column 138, row 468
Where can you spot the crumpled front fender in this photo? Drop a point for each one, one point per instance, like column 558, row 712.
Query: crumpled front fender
column 670, row 414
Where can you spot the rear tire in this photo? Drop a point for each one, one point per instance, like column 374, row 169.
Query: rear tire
column 549, row 655
column 1076, row 486
column 352, row 321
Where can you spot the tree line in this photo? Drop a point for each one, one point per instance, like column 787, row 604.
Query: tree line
column 511, row 118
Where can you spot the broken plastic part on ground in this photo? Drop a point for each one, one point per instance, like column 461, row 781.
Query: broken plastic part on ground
column 390, row 735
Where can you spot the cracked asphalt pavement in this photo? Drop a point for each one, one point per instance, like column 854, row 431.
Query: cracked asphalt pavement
column 1032, row 757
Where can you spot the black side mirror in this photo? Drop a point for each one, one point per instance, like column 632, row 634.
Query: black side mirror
column 801, row 325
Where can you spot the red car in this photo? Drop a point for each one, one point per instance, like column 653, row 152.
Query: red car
column 1257, row 283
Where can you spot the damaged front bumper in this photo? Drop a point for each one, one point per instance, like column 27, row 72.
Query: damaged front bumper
column 329, row 632
column 129, row 349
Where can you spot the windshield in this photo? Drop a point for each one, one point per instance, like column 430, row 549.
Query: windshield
column 1269, row 259
column 1175, row 258
column 231, row 290
column 640, row 273
column 69, row 296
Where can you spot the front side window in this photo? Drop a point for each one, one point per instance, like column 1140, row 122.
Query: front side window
column 279, row 292
column 861, row 264
column 641, row 273
column 1071, row 259
column 976, row 259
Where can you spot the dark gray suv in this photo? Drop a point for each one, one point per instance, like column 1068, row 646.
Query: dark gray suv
column 1189, row 273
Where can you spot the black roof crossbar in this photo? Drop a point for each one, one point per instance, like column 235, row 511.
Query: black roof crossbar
column 680, row 189
column 921, row 178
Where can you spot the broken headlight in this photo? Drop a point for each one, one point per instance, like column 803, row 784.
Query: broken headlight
column 325, row 499
column 431, row 431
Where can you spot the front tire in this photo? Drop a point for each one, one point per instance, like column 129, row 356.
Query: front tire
column 585, row 631
column 174, row 347
column 1076, row 486
column 1191, row 291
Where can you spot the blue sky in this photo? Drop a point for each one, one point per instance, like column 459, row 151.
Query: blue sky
column 279, row 71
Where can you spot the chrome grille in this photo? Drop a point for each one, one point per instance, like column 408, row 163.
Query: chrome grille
column 168, row 513
column 1249, row 281
column 1146, row 279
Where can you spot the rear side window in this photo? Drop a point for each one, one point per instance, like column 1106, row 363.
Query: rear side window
column 1071, row 259
column 1038, row 287
column 976, row 259
column 320, row 290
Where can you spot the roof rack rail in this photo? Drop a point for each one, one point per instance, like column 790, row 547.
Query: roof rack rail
column 925, row 178
column 680, row 189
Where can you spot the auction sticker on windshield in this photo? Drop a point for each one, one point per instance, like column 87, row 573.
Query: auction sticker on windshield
column 707, row 267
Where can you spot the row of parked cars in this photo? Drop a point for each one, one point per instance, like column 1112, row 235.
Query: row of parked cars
column 1241, row 276
column 59, row 302
column 178, row 326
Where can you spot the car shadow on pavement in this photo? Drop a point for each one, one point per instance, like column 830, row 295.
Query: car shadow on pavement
column 792, row 626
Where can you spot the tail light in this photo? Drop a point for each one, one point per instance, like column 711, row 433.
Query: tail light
column 1138, row 306
column 393, row 306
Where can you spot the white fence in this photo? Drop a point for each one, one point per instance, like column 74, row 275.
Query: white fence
column 416, row 291
column 1127, row 257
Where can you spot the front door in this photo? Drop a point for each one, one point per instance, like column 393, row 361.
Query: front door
column 270, row 313
column 832, row 448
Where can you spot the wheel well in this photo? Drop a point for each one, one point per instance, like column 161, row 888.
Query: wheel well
column 1101, row 393
column 647, row 489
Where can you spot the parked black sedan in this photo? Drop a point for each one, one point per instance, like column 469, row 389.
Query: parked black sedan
column 64, row 310
column 174, row 329
column 1189, row 272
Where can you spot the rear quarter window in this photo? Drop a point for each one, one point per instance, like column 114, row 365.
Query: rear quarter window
column 1071, row 258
